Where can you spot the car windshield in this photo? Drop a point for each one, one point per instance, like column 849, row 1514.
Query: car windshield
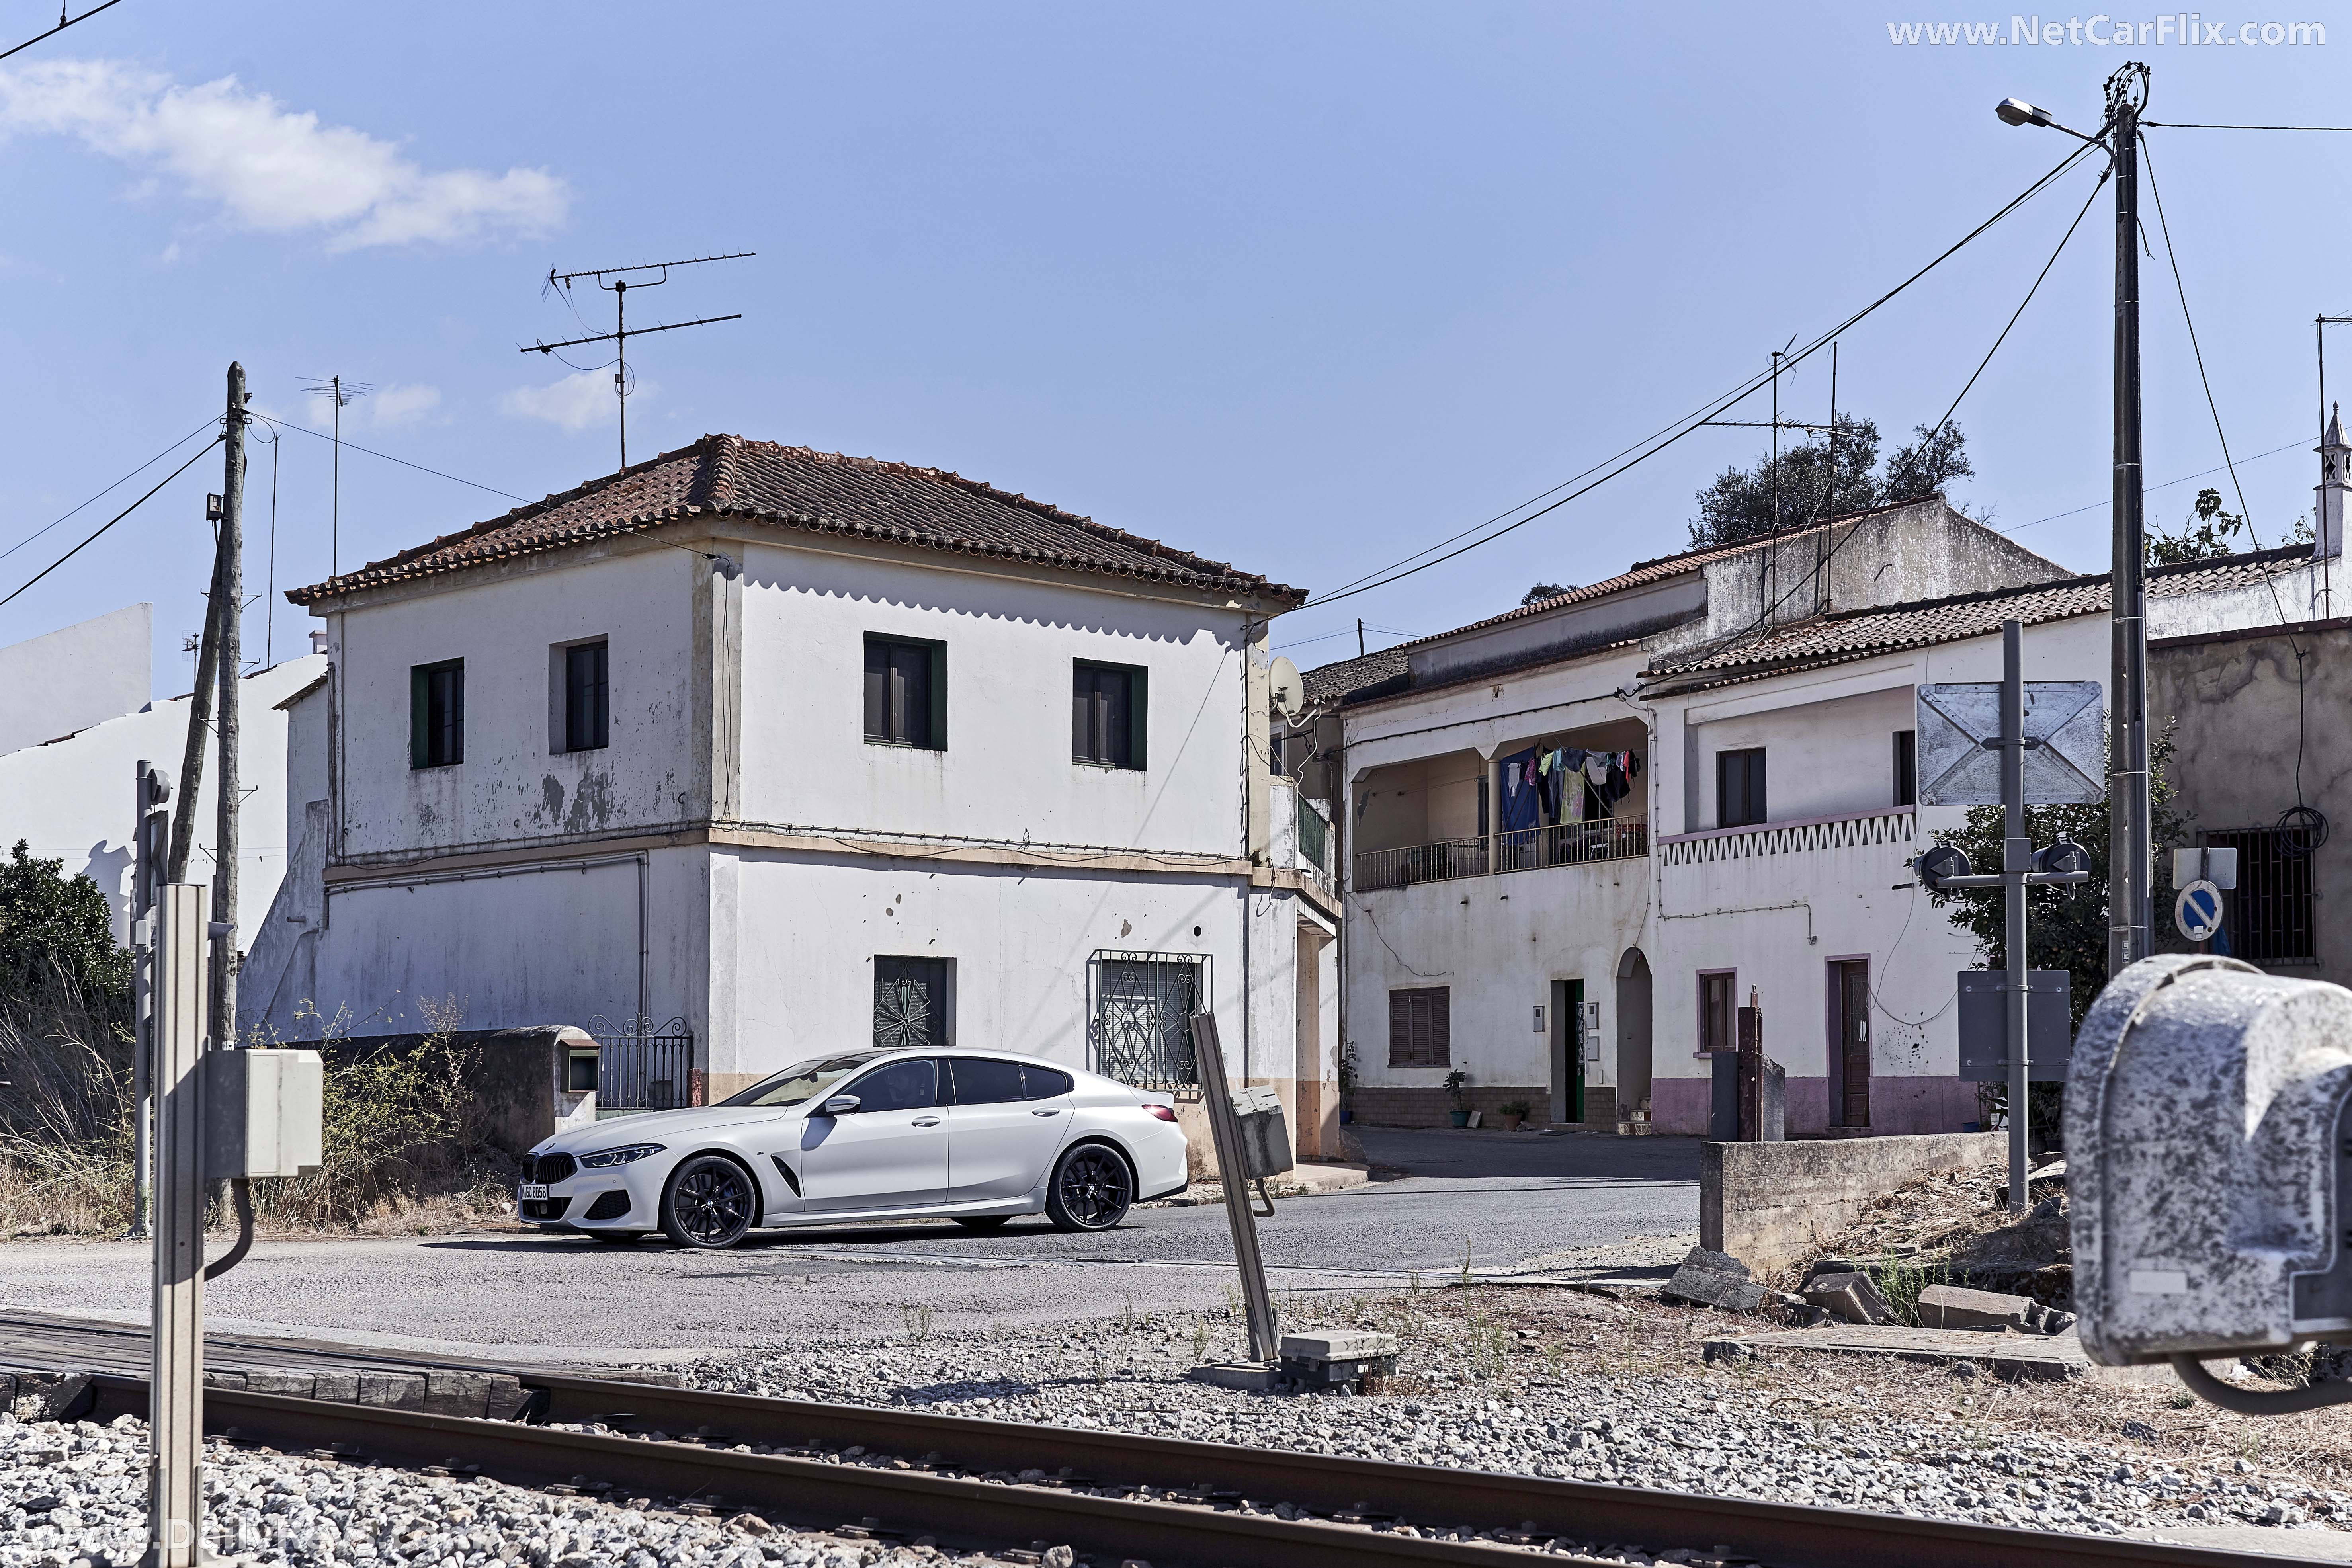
column 802, row 1081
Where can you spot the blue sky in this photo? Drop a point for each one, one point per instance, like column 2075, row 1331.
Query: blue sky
column 1303, row 287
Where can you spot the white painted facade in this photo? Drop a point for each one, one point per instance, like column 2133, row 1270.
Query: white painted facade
column 68, row 679
column 739, row 855
column 71, row 798
column 1632, row 919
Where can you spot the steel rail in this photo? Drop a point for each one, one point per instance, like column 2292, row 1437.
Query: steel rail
column 931, row 1498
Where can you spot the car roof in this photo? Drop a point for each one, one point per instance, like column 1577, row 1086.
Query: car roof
column 979, row 1051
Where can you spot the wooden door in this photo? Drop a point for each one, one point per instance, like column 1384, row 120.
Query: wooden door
column 1853, row 1042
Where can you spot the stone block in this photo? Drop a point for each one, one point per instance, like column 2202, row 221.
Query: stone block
column 280, row 1380
column 393, row 1390
column 1850, row 1295
column 1249, row 1377
column 1338, row 1345
column 1957, row 1307
column 339, row 1384
column 1715, row 1279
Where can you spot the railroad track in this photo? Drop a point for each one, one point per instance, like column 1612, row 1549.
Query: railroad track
column 1109, row 1496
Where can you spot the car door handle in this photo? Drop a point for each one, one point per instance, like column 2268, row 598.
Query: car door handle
column 925, row 1122
column 1057, row 1111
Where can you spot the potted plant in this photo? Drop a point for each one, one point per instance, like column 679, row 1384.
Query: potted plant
column 1514, row 1112
column 1455, row 1082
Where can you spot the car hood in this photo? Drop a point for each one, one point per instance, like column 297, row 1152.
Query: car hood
column 655, row 1127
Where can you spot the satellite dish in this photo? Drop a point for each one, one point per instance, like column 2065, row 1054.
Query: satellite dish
column 1288, row 687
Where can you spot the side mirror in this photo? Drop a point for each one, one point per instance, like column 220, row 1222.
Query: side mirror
column 840, row 1105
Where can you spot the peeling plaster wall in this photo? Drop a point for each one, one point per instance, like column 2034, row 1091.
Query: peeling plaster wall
column 514, row 786
column 2234, row 703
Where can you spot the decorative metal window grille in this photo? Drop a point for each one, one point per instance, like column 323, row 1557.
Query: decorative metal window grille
column 910, row 1003
column 642, row 1065
column 1142, row 1017
column 2269, row 918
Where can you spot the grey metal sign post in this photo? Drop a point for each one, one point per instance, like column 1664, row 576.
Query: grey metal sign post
column 2044, row 739
column 1232, row 1169
column 182, row 951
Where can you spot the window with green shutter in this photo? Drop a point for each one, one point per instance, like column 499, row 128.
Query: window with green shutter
column 906, row 693
column 1109, row 715
column 436, row 714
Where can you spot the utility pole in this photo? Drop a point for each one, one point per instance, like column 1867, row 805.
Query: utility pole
column 2130, row 825
column 229, row 580
column 1360, row 637
column 200, row 726
column 2016, row 860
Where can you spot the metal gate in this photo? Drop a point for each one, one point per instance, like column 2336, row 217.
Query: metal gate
column 641, row 1066
column 1140, row 1024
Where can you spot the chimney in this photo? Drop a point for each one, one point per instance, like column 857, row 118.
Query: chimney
column 318, row 641
column 2328, row 502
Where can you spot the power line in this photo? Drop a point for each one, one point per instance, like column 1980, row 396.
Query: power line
column 274, row 420
column 118, row 516
column 1641, row 451
column 64, row 21
column 2182, row 125
column 2151, row 489
column 116, row 484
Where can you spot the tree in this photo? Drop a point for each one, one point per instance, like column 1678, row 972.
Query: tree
column 1738, row 504
column 1542, row 591
column 53, row 927
column 2204, row 535
column 1928, row 465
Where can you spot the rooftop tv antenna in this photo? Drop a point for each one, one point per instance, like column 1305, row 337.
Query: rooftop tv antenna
column 619, row 336
column 342, row 392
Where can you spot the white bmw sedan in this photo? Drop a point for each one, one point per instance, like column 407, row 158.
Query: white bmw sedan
column 973, row 1136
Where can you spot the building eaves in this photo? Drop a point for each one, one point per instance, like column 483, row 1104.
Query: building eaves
column 772, row 484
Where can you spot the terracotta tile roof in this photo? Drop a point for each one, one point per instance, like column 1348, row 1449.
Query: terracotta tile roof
column 1331, row 683
column 1852, row 634
column 817, row 492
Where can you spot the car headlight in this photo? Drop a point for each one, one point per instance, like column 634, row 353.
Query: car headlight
column 620, row 1156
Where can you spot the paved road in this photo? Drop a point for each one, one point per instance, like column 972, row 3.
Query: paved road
column 1506, row 1198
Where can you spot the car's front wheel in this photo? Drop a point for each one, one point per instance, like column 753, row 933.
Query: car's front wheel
column 710, row 1203
column 1091, row 1190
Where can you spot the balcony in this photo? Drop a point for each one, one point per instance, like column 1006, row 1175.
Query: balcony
column 1522, row 849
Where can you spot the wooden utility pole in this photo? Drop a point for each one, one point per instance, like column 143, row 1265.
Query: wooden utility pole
column 229, row 583
column 2129, row 916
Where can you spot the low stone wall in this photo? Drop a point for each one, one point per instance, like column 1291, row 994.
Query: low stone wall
column 1768, row 1205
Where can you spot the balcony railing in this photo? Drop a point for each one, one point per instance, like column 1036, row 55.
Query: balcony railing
column 1522, row 849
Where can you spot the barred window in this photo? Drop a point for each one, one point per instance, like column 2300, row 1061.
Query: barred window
column 1421, row 1027
column 1144, row 1003
column 2269, row 917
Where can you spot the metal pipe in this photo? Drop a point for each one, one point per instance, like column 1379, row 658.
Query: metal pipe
column 2016, row 860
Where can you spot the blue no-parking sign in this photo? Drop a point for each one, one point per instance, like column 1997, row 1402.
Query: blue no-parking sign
column 2198, row 910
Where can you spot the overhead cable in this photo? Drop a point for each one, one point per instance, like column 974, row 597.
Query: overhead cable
column 118, row 516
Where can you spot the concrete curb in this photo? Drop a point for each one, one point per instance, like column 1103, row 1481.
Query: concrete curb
column 1304, row 1182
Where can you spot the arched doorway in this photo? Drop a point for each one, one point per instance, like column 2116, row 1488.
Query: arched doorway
column 1632, row 1033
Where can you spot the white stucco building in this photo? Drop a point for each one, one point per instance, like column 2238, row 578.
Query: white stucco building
column 796, row 750
column 1763, row 696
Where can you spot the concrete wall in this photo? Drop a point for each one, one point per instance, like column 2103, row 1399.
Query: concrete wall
column 2239, row 739
column 77, row 676
column 71, row 799
column 1768, row 1205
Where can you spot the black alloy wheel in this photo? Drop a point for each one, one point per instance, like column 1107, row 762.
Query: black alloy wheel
column 709, row 1203
column 982, row 1221
column 1091, row 1190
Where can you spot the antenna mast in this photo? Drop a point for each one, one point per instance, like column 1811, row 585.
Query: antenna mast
column 619, row 336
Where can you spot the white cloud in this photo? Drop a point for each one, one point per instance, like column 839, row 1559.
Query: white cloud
column 270, row 167
column 577, row 402
column 395, row 406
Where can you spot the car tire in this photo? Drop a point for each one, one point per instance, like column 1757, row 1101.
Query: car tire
column 1092, row 1189
column 709, row 1203
column 614, row 1238
column 982, row 1221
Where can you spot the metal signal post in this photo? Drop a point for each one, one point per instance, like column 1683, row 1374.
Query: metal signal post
column 619, row 337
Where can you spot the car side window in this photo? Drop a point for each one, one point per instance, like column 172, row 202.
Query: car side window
column 1044, row 1083
column 901, row 1086
column 980, row 1081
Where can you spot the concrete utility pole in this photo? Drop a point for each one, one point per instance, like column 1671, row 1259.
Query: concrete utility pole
column 2129, row 825
column 229, row 583
column 2016, row 860
column 151, row 839
column 175, row 1407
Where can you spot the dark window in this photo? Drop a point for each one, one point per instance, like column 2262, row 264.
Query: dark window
column 1739, row 787
column 1143, row 1018
column 436, row 714
column 2269, row 916
column 1044, row 1083
column 901, row 1086
column 1421, row 1027
column 980, row 1081
column 1107, row 708
column 584, row 697
column 1482, row 829
column 907, row 694
column 1906, row 767
column 910, row 1003
column 1714, row 1012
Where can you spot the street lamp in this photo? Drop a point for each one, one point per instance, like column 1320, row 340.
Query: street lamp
column 2017, row 112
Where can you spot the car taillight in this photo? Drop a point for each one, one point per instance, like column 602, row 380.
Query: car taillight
column 1165, row 1112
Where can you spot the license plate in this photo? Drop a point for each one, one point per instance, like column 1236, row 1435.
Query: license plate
column 534, row 1191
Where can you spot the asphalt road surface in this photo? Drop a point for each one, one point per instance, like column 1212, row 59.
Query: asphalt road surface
column 1506, row 1198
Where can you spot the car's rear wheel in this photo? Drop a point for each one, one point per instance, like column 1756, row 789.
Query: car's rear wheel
column 1091, row 1190
column 710, row 1203
column 982, row 1221
column 614, row 1238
